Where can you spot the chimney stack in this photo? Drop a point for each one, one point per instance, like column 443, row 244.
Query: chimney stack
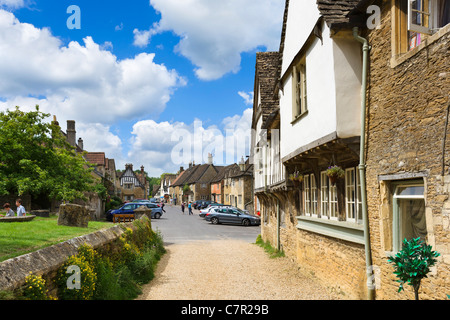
column 71, row 133
column 210, row 158
column 80, row 144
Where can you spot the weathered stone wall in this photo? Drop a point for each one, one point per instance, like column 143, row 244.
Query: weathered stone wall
column 338, row 264
column 407, row 110
column 45, row 262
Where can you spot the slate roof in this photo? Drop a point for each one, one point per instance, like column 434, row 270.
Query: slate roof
column 337, row 12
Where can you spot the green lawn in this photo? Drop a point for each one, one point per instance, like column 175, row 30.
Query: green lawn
column 18, row 238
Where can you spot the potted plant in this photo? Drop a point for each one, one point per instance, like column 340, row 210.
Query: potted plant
column 335, row 173
column 413, row 263
column 296, row 178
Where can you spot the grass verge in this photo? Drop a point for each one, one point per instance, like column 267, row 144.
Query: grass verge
column 18, row 238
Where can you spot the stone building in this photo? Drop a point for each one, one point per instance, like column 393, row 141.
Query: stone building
column 132, row 185
column 389, row 134
column 238, row 186
column 408, row 142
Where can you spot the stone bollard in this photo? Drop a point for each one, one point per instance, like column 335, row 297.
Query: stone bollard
column 141, row 211
column 73, row 215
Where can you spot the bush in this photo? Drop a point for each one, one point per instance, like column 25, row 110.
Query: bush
column 35, row 288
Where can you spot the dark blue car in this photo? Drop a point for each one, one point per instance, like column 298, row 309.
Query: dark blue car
column 129, row 208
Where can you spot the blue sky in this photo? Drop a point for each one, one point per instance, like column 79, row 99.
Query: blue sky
column 132, row 75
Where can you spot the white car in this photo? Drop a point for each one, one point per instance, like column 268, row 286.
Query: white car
column 203, row 212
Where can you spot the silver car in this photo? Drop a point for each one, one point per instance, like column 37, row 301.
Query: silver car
column 232, row 216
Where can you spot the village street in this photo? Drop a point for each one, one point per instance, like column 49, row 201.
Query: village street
column 221, row 262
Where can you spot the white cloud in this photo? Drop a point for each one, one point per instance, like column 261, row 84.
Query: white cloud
column 12, row 4
column 248, row 97
column 215, row 33
column 165, row 146
column 81, row 81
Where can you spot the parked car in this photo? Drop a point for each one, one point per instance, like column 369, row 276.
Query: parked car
column 129, row 208
column 196, row 203
column 205, row 204
column 203, row 212
column 232, row 216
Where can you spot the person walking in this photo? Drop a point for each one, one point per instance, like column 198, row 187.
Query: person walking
column 190, row 208
column 162, row 207
column 182, row 207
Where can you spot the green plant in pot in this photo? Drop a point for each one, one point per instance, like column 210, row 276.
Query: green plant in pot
column 335, row 173
column 296, row 178
column 413, row 263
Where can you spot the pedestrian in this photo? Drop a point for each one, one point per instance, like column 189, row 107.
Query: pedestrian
column 162, row 207
column 182, row 207
column 9, row 212
column 190, row 208
column 20, row 209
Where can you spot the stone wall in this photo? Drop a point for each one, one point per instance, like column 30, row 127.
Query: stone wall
column 407, row 110
column 339, row 265
column 45, row 262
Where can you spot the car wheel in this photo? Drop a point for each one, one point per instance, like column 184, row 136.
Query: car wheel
column 157, row 215
column 215, row 221
column 245, row 222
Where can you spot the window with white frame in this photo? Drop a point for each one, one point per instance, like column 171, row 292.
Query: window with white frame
column 350, row 194
column 306, row 195
column 314, row 195
column 324, row 195
column 415, row 19
column 328, row 198
column 409, row 219
column 299, row 101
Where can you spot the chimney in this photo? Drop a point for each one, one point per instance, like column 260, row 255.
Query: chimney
column 210, row 158
column 190, row 164
column 130, row 166
column 181, row 169
column 56, row 124
column 80, row 144
column 242, row 164
column 71, row 133
column 142, row 170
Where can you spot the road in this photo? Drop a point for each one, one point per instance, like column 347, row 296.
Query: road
column 177, row 228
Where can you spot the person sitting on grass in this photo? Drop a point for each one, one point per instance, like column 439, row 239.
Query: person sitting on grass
column 20, row 209
column 7, row 208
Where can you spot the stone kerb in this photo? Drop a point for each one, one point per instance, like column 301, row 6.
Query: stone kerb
column 42, row 262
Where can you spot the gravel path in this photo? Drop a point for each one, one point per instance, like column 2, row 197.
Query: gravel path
column 229, row 270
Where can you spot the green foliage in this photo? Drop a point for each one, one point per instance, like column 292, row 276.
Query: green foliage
column 413, row 263
column 273, row 253
column 35, row 288
column 35, row 158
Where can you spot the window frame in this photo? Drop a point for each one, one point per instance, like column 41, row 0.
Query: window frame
column 396, row 218
column 299, row 90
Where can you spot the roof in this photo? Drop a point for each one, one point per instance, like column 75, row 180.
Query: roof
column 267, row 65
column 336, row 12
column 97, row 158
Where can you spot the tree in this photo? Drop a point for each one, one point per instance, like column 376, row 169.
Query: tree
column 35, row 158
column 413, row 263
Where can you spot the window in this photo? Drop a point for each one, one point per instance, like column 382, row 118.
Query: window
column 313, row 195
column 307, row 195
column 415, row 19
column 324, row 195
column 328, row 195
column 299, row 102
column 353, row 204
column 350, row 195
column 409, row 213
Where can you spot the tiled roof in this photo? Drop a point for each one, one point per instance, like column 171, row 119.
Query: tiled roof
column 97, row 158
column 267, row 65
column 336, row 12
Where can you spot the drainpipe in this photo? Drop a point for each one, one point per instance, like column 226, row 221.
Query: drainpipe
column 362, row 165
column 278, row 225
